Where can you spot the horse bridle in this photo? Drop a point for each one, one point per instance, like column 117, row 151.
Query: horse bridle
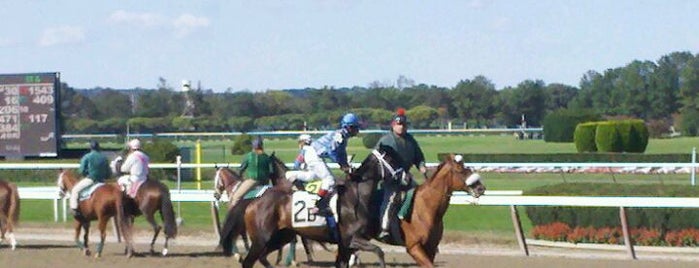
column 386, row 166
column 61, row 185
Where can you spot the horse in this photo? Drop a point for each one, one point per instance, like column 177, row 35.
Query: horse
column 9, row 211
column 226, row 180
column 153, row 196
column 268, row 219
column 106, row 201
column 423, row 229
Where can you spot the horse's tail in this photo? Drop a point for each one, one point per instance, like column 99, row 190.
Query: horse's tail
column 168, row 214
column 122, row 220
column 13, row 211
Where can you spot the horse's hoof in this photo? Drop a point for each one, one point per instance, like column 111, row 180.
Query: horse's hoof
column 98, row 255
column 87, row 252
column 293, row 264
column 164, row 252
column 237, row 257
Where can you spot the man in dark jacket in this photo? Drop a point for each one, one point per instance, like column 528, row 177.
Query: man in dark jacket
column 410, row 154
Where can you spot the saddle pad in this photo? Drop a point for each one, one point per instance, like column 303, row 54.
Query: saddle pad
column 87, row 192
column 302, row 203
column 256, row 192
column 407, row 205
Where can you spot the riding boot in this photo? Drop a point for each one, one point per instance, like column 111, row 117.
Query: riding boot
column 323, row 205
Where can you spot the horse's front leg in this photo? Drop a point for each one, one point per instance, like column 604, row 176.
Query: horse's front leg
column 420, row 255
column 365, row 245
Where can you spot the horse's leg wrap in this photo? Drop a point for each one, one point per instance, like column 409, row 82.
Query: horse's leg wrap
column 13, row 242
column 100, row 246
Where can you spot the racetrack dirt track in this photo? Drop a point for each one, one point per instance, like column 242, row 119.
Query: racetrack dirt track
column 53, row 248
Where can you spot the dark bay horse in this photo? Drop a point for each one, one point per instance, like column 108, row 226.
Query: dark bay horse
column 9, row 211
column 226, row 180
column 268, row 219
column 151, row 197
column 424, row 228
column 106, row 202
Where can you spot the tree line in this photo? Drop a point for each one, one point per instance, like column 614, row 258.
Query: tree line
column 664, row 93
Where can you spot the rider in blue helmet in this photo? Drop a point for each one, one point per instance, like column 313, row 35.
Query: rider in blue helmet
column 333, row 146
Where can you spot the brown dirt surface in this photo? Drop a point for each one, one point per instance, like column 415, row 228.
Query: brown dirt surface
column 53, row 247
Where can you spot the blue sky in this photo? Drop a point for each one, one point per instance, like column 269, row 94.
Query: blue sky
column 260, row 45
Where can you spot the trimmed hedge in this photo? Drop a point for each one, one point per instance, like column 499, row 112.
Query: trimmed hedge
column 607, row 138
column 584, row 137
column 560, row 125
column 612, row 136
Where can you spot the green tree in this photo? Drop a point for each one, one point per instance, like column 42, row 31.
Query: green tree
column 473, row 100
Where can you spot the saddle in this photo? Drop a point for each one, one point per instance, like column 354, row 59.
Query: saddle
column 256, row 192
column 87, row 192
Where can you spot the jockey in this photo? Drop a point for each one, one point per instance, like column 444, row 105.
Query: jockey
column 256, row 168
column 410, row 154
column 135, row 167
column 94, row 168
column 308, row 165
column 334, row 146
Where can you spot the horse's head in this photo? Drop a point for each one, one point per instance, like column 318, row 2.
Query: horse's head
column 224, row 180
column 279, row 169
column 66, row 181
column 459, row 177
column 382, row 164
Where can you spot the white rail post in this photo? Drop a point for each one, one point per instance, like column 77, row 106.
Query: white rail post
column 518, row 230
column 179, row 219
column 694, row 168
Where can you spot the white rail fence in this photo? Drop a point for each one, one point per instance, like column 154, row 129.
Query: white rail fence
column 492, row 198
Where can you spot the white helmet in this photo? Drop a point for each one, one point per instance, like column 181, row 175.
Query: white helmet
column 135, row 144
column 305, row 138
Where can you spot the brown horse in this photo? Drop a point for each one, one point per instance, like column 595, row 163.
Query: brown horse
column 423, row 229
column 9, row 211
column 268, row 219
column 153, row 196
column 106, row 202
column 226, row 180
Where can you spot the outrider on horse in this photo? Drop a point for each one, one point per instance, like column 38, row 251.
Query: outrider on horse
column 273, row 219
column 103, row 202
column 9, row 211
column 421, row 231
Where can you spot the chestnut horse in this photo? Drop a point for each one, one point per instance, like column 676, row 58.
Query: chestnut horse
column 106, row 201
column 153, row 196
column 9, row 211
column 268, row 219
column 423, row 230
column 226, row 180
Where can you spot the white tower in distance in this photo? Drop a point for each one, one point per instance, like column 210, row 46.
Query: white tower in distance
column 189, row 107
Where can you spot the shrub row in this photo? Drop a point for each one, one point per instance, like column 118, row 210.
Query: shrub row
column 663, row 219
column 558, row 231
column 611, row 136
column 575, row 158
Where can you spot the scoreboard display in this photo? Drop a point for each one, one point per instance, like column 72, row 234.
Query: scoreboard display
column 29, row 115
